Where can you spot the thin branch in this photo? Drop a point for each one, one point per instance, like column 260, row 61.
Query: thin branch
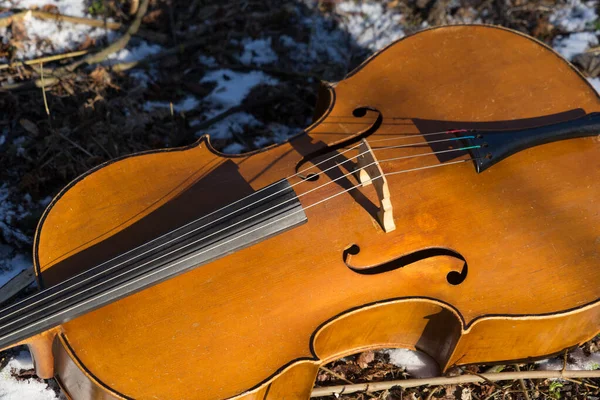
column 117, row 45
column 114, row 26
column 335, row 374
column 565, row 358
column 75, row 144
column 522, row 383
column 135, row 5
column 482, row 376
column 46, row 59
column 582, row 383
column 434, row 391
column 456, row 380
column 44, row 90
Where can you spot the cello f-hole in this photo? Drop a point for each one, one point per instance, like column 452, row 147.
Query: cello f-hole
column 453, row 277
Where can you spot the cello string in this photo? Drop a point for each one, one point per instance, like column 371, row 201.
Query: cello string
column 55, row 293
column 42, row 292
column 158, row 270
column 402, row 136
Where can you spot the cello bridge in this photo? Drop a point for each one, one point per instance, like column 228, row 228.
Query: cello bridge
column 368, row 172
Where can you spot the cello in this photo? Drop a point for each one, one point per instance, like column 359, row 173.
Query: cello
column 443, row 200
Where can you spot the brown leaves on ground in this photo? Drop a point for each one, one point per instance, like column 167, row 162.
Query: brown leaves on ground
column 373, row 366
column 369, row 366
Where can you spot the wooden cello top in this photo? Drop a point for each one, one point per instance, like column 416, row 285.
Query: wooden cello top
column 528, row 229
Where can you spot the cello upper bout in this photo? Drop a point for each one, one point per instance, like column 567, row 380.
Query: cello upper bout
column 462, row 80
column 115, row 195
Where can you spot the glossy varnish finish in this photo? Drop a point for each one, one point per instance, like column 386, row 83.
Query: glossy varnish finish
column 257, row 323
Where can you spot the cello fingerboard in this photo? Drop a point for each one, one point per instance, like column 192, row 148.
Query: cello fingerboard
column 250, row 220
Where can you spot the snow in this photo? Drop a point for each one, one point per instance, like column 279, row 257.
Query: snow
column 595, row 83
column 11, row 263
column 371, row 24
column 10, row 213
column 234, row 124
column 258, row 52
column 234, row 148
column 417, row 364
column 571, row 45
column 576, row 361
column 76, row 8
column 138, row 50
column 576, row 16
column 45, row 37
column 208, row 61
column 29, row 389
column 185, row 105
column 232, row 88
column 279, row 133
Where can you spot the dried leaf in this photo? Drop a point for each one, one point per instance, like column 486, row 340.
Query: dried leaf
column 51, row 8
column 19, row 32
column 365, row 358
column 450, row 390
column 153, row 17
column 87, row 43
column 29, row 127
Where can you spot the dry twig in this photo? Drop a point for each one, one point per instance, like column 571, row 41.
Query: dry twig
column 522, row 383
column 41, row 60
column 117, row 45
column 114, row 26
column 456, row 380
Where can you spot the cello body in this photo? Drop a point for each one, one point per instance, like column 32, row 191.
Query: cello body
column 481, row 268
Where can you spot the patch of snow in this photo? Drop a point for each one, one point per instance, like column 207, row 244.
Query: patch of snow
column 9, row 214
column 371, row 24
column 279, row 133
column 11, row 263
column 141, row 77
column 45, row 201
column 51, row 37
column 576, row 43
column 76, row 8
column 234, row 148
column 575, row 16
column 208, row 61
column 139, row 50
column 185, row 105
column 234, row 124
column 232, row 88
column 359, row 29
column 30, row 389
column 576, row 361
column 595, row 83
column 417, row 364
column 230, row 127
column 258, row 52
column 327, row 45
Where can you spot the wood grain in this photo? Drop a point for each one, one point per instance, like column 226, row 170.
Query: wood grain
column 257, row 323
